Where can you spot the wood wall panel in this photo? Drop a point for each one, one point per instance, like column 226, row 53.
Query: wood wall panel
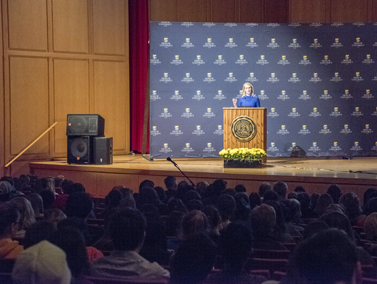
column 70, row 25
column 276, row 11
column 314, row 11
column 2, row 95
column 193, row 11
column 165, row 10
column 349, row 11
column 71, row 93
column 28, row 87
column 109, row 22
column 251, row 11
column 27, row 24
column 224, row 11
column 111, row 101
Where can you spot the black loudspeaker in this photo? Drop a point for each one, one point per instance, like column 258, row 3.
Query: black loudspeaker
column 79, row 150
column 85, row 125
column 298, row 152
column 102, row 150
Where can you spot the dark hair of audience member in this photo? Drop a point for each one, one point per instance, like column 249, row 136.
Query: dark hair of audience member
column 340, row 221
column 236, row 242
column 127, row 229
column 170, row 183
column 229, row 191
column 299, row 189
column 8, row 179
column 54, row 216
column 37, row 232
column 254, row 200
column 71, row 241
column 176, row 204
column 112, row 199
column 280, row 230
column 160, row 193
column 155, row 243
column 242, row 211
column 351, row 203
column 371, row 206
column 79, row 204
column 323, row 202
column 8, row 215
column 191, row 195
column 147, row 195
column 281, row 188
column 66, row 185
column 218, row 186
column 306, row 210
column 48, row 198
column 201, row 187
column 193, row 260
column 214, row 222
column 314, row 227
column 174, row 223
column 194, row 204
column 146, row 183
column 226, row 206
column 78, row 224
column 36, row 203
column 263, row 219
column 27, row 216
column 292, row 195
column 193, row 223
column 263, row 188
column 270, row 195
column 335, row 192
column 313, row 200
column 240, row 188
column 326, row 258
column 75, row 187
column 368, row 194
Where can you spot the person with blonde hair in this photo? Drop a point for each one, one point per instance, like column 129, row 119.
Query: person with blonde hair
column 248, row 98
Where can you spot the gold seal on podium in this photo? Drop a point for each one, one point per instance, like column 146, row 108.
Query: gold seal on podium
column 243, row 128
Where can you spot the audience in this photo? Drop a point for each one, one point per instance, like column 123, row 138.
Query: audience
column 188, row 221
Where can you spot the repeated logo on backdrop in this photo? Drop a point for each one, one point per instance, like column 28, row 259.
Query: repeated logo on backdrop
column 318, row 83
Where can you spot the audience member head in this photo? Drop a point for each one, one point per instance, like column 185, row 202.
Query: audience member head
column 79, row 204
column 42, row 263
column 235, row 244
column 54, row 216
column 193, row 223
column 263, row 219
column 226, row 206
column 170, row 183
column 9, row 218
column 340, row 221
column 26, row 211
column 304, row 200
column 263, row 188
column 240, row 188
column 270, row 195
column 193, row 260
column 351, row 204
column 176, row 204
column 160, row 192
column 335, row 192
column 281, row 188
column 242, row 211
column 371, row 206
column 7, row 191
column 201, row 187
column 313, row 200
column 72, row 242
column 314, row 227
column 293, row 210
column 146, row 183
column 254, row 200
column 66, row 185
column 214, row 218
column 36, row 202
column 299, row 189
column 174, row 223
column 368, row 194
column 328, row 257
column 194, row 204
column 218, row 186
column 127, row 229
column 48, row 198
column 229, row 191
column 370, row 227
column 323, row 202
column 113, row 199
column 280, row 225
column 192, row 194
column 37, row 232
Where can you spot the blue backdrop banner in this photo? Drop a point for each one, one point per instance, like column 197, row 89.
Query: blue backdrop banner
column 317, row 81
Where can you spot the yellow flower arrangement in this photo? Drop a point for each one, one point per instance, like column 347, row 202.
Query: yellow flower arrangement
column 243, row 154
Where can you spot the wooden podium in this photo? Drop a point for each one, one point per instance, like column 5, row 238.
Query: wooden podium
column 237, row 123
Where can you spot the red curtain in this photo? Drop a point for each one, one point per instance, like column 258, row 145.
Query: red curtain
column 139, row 62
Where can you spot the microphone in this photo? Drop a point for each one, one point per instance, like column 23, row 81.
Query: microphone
column 170, row 160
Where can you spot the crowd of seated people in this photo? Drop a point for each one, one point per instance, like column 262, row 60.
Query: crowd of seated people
column 185, row 234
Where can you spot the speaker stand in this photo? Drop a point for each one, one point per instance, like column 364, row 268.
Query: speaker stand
column 147, row 157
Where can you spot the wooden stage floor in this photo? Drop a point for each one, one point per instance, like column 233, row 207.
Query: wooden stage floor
column 315, row 174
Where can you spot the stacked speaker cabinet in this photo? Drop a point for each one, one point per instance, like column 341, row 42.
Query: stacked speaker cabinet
column 86, row 143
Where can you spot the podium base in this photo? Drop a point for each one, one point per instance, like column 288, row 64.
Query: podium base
column 241, row 164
